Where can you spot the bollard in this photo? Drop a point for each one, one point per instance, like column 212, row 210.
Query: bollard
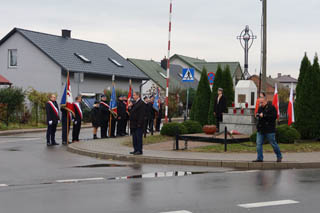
column 225, row 138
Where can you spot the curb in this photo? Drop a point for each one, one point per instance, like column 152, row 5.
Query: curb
column 245, row 165
column 22, row 131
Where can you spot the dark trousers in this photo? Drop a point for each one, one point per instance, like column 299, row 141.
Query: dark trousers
column 121, row 129
column 113, row 127
column 51, row 133
column 76, row 131
column 218, row 121
column 150, row 121
column 65, row 129
column 125, row 123
column 158, row 122
column 104, row 128
column 137, row 139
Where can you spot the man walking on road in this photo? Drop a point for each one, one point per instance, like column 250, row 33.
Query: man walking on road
column 137, row 111
column 266, row 126
column 52, row 110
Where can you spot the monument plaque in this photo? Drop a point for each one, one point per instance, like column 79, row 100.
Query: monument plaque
column 241, row 98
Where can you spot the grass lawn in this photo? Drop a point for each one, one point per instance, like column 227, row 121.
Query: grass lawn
column 150, row 139
column 21, row 126
column 305, row 146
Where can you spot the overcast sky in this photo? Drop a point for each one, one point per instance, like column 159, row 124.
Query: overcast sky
column 206, row 29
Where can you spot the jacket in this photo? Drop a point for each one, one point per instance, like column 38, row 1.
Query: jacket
column 267, row 124
column 220, row 107
column 95, row 116
column 52, row 113
column 137, row 114
column 104, row 112
column 78, row 114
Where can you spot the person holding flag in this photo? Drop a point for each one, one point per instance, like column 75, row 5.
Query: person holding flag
column 104, row 116
column 67, row 111
column 266, row 128
column 156, row 107
column 78, row 116
column 52, row 110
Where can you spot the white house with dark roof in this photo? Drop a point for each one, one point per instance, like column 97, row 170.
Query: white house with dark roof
column 39, row 60
column 287, row 80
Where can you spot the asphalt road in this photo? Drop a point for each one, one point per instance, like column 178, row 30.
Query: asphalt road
column 37, row 179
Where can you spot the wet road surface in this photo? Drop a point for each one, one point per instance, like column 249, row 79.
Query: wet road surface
column 34, row 178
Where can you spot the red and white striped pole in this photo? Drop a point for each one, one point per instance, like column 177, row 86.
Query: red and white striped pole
column 168, row 64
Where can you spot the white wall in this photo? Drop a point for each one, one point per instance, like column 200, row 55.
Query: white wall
column 176, row 61
column 34, row 68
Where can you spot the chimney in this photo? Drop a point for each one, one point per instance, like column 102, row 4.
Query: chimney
column 164, row 63
column 279, row 75
column 66, row 33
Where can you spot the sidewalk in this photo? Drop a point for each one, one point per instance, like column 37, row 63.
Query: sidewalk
column 112, row 149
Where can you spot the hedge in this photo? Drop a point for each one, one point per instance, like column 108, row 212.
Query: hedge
column 170, row 129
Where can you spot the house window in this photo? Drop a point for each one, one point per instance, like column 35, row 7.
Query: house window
column 83, row 58
column 115, row 62
column 13, row 58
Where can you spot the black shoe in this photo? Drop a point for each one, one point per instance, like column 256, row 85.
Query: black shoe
column 49, row 144
column 137, row 153
column 64, row 143
column 55, row 144
column 95, row 137
column 257, row 161
column 279, row 160
column 132, row 153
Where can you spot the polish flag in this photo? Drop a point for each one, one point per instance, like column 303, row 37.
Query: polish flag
column 129, row 96
column 275, row 101
column 290, row 107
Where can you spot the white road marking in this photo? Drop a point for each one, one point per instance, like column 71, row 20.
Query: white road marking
column 79, row 180
column 3, row 185
column 181, row 211
column 240, row 172
column 18, row 140
column 270, row 203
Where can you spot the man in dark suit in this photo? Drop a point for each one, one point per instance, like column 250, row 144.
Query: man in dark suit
column 52, row 110
column 77, row 119
column 104, row 116
column 151, row 114
column 137, row 111
column 220, row 106
column 121, row 117
column 65, row 124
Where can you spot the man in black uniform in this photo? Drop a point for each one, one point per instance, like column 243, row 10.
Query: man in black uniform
column 121, row 117
column 53, row 119
column 77, row 119
column 159, row 116
column 137, row 111
column 151, row 114
column 104, row 116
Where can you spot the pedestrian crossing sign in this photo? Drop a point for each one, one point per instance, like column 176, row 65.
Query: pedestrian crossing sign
column 187, row 75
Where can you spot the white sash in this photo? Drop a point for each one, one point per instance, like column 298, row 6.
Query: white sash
column 79, row 109
column 55, row 109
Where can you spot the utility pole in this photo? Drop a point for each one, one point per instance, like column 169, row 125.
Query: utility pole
column 264, row 45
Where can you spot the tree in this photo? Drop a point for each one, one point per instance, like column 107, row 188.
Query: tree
column 38, row 100
column 11, row 99
column 228, row 90
column 307, row 106
column 201, row 106
column 218, row 82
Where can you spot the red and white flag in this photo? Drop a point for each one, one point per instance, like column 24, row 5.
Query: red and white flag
column 129, row 96
column 275, row 101
column 290, row 107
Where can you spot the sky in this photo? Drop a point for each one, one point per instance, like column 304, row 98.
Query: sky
column 205, row 29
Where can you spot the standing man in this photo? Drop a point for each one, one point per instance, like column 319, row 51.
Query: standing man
column 53, row 119
column 159, row 116
column 77, row 119
column 151, row 113
column 104, row 116
column 266, row 128
column 121, row 117
column 95, row 118
column 220, row 106
column 137, row 111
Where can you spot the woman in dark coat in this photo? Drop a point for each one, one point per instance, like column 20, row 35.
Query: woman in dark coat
column 220, row 106
column 95, row 118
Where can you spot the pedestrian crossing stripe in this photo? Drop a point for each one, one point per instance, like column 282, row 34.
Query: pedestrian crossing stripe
column 188, row 74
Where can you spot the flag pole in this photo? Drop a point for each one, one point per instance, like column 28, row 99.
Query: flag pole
column 110, row 125
column 67, row 112
column 128, row 122
column 168, row 64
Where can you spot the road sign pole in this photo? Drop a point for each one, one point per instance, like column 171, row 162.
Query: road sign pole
column 187, row 105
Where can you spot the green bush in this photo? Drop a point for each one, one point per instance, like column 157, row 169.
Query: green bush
column 170, row 129
column 284, row 134
column 192, row 126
